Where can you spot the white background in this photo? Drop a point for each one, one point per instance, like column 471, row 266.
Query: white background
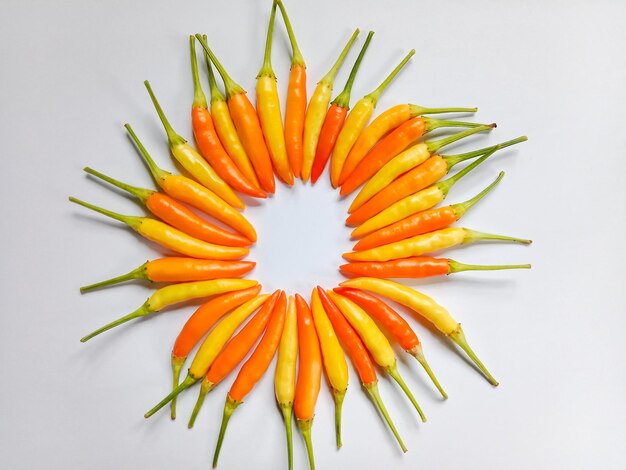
column 72, row 74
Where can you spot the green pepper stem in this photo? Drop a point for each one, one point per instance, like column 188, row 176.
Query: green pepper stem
column 205, row 387
column 454, row 159
column 305, row 426
column 266, row 69
column 229, row 407
column 287, row 410
column 435, row 145
column 140, row 312
column 456, row 267
column 199, row 98
column 296, row 57
column 216, row 94
column 329, row 78
column 472, row 236
column 338, row 395
column 417, row 110
column 393, row 371
column 231, row 87
column 445, row 185
column 373, row 96
column 137, row 273
column 130, row 220
column 432, row 123
column 177, row 365
column 140, row 193
column 185, row 384
column 458, row 336
column 372, row 390
column 418, row 354
column 157, row 173
column 462, row 207
column 172, row 137
column 343, row 99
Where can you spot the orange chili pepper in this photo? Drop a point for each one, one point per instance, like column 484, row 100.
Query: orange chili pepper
column 207, row 139
column 335, row 117
column 295, row 108
column 247, row 124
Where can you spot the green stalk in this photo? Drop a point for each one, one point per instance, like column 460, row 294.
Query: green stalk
column 372, row 390
column 140, row 312
column 338, row 395
column 462, row 207
column 296, row 57
column 199, row 98
column 343, row 99
column 287, row 412
column 393, row 371
column 456, row 267
column 417, row 110
column 231, row 87
column 177, row 365
column 305, row 429
column 266, row 69
column 132, row 221
column 188, row 382
column 474, row 236
column 445, row 185
column 458, row 336
column 329, row 78
column 432, row 123
column 229, row 407
column 157, row 173
column 436, row 145
column 172, row 137
column 418, row 354
column 137, row 273
column 216, row 94
column 140, row 193
column 373, row 96
column 205, row 387
column 454, row 159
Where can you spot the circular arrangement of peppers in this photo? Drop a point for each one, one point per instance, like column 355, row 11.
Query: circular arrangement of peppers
column 240, row 148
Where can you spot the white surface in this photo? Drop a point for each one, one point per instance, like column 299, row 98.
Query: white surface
column 72, row 74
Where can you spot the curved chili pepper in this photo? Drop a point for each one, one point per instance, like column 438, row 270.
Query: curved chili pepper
column 316, row 111
column 335, row 118
column 207, row 139
column 194, row 194
column 356, row 122
column 177, row 215
column 295, row 108
column 247, row 123
column 386, row 122
column 391, row 145
column 360, row 359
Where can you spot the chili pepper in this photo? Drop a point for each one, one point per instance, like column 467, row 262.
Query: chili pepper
column 208, row 140
column 186, row 190
column 426, row 307
column 225, row 127
column 418, row 178
column 375, row 342
column 177, row 215
column 309, row 374
column 268, row 106
column 169, row 237
column 285, row 377
column 356, row 122
column 394, row 324
column 360, row 358
column 391, row 145
column 335, row 118
column 427, row 243
column 419, row 201
column 405, row 161
column 418, row 267
column 295, row 108
column 170, row 295
column 192, row 161
column 386, row 122
column 213, row 344
column 232, row 354
column 421, row 222
column 334, row 359
column 199, row 323
column 175, row 269
column 316, row 111
column 253, row 369
column 247, row 123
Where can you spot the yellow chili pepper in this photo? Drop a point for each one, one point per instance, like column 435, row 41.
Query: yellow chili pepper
column 285, row 377
column 316, row 111
column 211, row 347
column 333, row 357
column 193, row 162
column 356, row 122
column 375, row 341
column 177, row 293
column 268, row 107
column 426, row 307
